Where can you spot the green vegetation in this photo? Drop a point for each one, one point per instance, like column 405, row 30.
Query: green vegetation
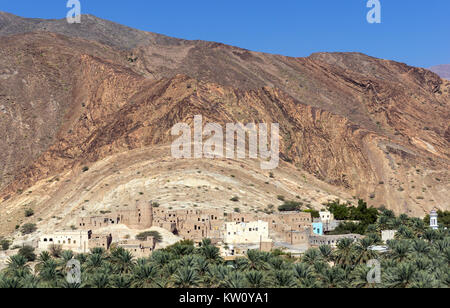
column 409, row 263
column 29, row 212
column 28, row 253
column 143, row 236
column 28, row 229
column 281, row 198
column 289, row 206
column 235, row 199
column 4, row 244
column 314, row 213
column 363, row 214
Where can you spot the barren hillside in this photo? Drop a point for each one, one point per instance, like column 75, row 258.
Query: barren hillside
column 96, row 94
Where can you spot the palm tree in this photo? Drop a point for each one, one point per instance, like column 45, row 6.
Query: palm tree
column 186, row 277
column 216, row 274
column 43, row 257
column 326, row 252
column 302, row 272
column 10, row 283
column 333, row 277
column 99, row 281
column 344, row 255
column 160, row 258
column 30, row 281
column 399, row 250
column 362, row 251
column 235, row 280
column 256, row 260
column 93, row 262
column 283, row 279
column 420, row 247
column 49, row 272
column 358, row 277
column 311, row 256
column 210, row 252
column 17, row 263
column 424, row 280
column 144, row 276
column 256, row 279
column 121, row 281
column 123, row 259
column 401, row 276
column 66, row 256
column 430, row 235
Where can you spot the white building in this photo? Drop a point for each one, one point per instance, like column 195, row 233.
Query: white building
column 434, row 220
column 77, row 241
column 245, row 233
column 326, row 217
column 388, row 235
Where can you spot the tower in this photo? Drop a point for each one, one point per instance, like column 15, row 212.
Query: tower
column 434, row 220
column 144, row 215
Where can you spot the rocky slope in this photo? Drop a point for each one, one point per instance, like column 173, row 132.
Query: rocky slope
column 78, row 95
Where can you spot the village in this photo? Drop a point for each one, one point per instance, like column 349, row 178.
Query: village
column 234, row 233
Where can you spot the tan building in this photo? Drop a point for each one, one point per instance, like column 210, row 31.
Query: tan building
column 197, row 224
column 77, row 241
column 99, row 241
column 139, row 249
column 138, row 217
column 293, row 237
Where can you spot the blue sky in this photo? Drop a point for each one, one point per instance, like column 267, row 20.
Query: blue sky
column 416, row 32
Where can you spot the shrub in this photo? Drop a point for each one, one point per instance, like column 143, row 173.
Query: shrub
column 28, row 253
column 5, row 244
column 55, row 250
column 280, row 197
column 28, row 229
column 155, row 234
column 289, row 206
column 29, row 212
column 314, row 213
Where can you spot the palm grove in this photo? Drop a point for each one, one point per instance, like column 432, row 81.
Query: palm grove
column 419, row 257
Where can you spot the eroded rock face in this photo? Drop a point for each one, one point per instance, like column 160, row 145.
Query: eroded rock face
column 374, row 128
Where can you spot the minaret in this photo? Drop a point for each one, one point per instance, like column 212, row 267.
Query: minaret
column 434, row 220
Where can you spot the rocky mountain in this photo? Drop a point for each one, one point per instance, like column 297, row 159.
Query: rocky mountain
column 97, row 95
column 442, row 70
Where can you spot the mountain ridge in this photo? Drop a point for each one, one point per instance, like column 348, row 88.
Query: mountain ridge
column 371, row 128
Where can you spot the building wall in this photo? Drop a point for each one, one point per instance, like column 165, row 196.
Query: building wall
column 139, row 249
column 77, row 241
column 243, row 233
column 100, row 241
column 332, row 240
column 388, row 235
column 317, row 228
column 296, row 237
column 138, row 217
